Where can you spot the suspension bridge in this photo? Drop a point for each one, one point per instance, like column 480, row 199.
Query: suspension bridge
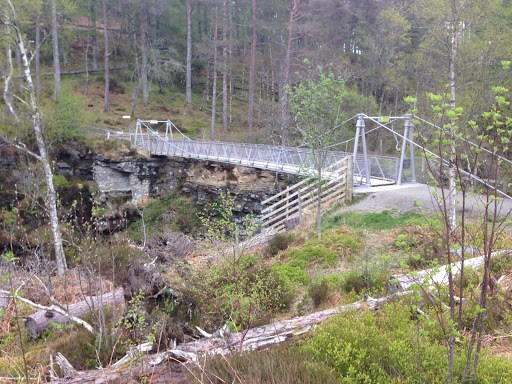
column 342, row 173
column 163, row 138
column 339, row 173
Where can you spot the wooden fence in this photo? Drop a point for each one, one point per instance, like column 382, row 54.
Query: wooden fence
column 288, row 207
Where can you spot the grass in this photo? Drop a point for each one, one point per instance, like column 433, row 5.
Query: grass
column 374, row 221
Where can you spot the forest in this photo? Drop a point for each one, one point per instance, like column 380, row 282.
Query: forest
column 123, row 264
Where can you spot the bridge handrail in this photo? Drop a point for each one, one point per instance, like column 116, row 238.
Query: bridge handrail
column 305, row 181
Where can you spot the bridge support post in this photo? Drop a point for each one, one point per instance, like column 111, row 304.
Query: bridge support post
column 137, row 130
column 168, row 130
column 365, row 158
column 360, row 131
column 408, row 135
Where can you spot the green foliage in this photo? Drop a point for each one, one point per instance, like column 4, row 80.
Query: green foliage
column 60, row 182
column 501, row 265
column 66, row 121
column 235, row 288
column 315, row 101
column 319, row 292
column 374, row 221
column 171, row 212
column 237, row 292
column 367, row 280
column 279, row 243
column 391, row 346
column 291, row 274
column 335, row 244
column 134, row 326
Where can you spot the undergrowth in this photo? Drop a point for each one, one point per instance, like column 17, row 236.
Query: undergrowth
column 374, row 221
column 336, row 244
column 169, row 212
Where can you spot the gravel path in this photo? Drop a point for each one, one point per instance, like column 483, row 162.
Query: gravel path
column 402, row 199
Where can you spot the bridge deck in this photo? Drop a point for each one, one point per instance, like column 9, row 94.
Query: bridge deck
column 298, row 161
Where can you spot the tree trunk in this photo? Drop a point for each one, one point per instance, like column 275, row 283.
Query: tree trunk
column 43, row 155
column 452, row 199
column 214, row 86
column 38, row 322
column 144, row 53
column 188, row 85
column 453, row 78
column 8, row 87
column 56, row 59
column 95, row 48
column 18, row 67
column 225, row 118
column 37, row 57
column 285, row 116
column 250, row 116
column 260, row 338
column 107, row 75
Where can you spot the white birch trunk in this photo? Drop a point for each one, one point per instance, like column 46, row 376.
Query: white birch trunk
column 8, row 87
column 43, row 154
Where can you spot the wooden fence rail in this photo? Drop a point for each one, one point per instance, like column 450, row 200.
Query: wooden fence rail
column 337, row 185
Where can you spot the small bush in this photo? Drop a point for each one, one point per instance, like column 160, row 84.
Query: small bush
column 291, row 275
column 279, row 243
column 371, row 282
column 319, row 292
column 501, row 265
column 166, row 213
column 60, row 182
column 388, row 346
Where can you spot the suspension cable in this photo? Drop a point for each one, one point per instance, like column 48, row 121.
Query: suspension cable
column 443, row 160
column 466, row 140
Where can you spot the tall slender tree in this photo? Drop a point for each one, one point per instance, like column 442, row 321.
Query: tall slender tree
column 144, row 53
column 94, row 35
column 214, row 86
column 188, row 76
column 37, row 57
column 56, row 61
column 225, row 119
column 250, row 116
column 43, row 157
column 107, row 74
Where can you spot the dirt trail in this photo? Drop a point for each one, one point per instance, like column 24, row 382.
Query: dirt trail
column 402, row 199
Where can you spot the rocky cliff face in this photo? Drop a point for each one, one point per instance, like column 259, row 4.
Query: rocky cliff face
column 140, row 179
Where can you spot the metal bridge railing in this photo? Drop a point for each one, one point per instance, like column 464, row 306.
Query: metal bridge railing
column 275, row 158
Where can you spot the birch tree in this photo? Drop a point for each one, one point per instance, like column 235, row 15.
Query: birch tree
column 8, row 15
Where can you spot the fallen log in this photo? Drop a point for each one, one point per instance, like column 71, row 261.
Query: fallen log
column 435, row 276
column 156, row 366
column 38, row 322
